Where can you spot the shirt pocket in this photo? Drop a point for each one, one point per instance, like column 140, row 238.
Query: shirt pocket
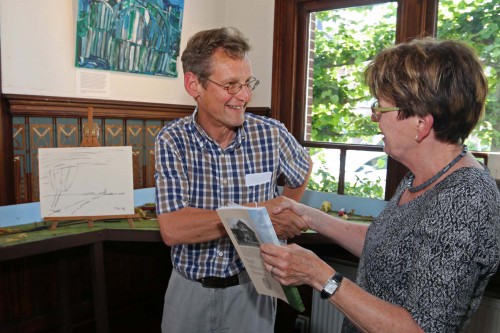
column 259, row 186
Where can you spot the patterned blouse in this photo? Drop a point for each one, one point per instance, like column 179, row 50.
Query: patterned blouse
column 434, row 255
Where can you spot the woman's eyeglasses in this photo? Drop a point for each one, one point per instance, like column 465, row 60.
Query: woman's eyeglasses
column 234, row 88
column 377, row 110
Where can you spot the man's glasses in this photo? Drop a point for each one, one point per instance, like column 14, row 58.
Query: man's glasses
column 377, row 110
column 234, row 88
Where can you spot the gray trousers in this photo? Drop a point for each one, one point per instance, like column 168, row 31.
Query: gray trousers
column 191, row 308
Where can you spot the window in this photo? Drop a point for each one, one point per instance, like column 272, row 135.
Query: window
column 322, row 48
column 476, row 22
column 337, row 109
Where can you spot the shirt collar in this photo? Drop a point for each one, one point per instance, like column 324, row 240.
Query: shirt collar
column 203, row 139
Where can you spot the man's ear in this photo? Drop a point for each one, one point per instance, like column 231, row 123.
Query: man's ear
column 424, row 126
column 192, row 85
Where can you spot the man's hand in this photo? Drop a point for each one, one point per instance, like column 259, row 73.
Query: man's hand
column 287, row 224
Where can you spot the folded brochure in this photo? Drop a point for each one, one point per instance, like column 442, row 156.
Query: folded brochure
column 248, row 227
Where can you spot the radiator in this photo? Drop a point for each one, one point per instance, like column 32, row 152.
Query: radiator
column 325, row 318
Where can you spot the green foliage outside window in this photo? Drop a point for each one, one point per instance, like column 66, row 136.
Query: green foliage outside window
column 347, row 39
column 477, row 23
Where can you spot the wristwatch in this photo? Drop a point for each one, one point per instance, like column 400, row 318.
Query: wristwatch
column 331, row 286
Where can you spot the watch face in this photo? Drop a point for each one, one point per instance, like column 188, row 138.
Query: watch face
column 331, row 286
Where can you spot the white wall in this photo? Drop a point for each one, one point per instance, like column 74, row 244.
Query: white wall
column 255, row 18
column 38, row 49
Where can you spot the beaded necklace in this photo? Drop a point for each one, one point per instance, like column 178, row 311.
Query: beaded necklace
column 420, row 187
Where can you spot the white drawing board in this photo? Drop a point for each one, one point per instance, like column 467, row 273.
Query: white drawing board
column 86, row 181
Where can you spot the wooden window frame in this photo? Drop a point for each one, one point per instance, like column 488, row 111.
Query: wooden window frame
column 415, row 18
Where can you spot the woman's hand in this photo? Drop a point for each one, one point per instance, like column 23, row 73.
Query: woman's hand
column 294, row 265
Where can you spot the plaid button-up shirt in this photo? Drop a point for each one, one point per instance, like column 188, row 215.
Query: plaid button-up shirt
column 193, row 171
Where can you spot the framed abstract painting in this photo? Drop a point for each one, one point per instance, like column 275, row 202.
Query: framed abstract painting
column 134, row 36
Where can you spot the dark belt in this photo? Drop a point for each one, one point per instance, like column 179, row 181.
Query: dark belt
column 218, row 282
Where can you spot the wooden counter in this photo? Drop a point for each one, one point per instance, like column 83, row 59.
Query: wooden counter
column 110, row 278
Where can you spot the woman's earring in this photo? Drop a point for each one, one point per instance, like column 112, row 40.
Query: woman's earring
column 416, row 137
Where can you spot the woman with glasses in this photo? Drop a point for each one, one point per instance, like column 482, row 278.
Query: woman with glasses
column 426, row 259
column 218, row 155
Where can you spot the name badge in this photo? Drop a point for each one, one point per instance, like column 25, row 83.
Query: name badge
column 258, row 178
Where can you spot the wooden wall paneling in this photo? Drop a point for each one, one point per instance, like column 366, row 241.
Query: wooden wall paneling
column 99, row 287
column 114, row 132
column 6, row 154
column 136, row 279
column 67, row 132
column 64, row 303
column 80, row 285
column 41, row 106
column 7, row 182
column 46, row 121
column 20, row 159
column 41, row 136
column 75, row 267
column 53, row 292
column 35, row 288
column 135, row 137
column 152, row 129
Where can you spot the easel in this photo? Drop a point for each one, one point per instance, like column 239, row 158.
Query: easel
column 90, row 139
column 90, row 131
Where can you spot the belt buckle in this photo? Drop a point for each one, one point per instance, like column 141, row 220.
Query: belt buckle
column 204, row 283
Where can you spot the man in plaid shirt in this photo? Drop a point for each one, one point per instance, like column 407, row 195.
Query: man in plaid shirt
column 216, row 156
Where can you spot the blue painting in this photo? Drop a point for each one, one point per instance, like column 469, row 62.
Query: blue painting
column 133, row 36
